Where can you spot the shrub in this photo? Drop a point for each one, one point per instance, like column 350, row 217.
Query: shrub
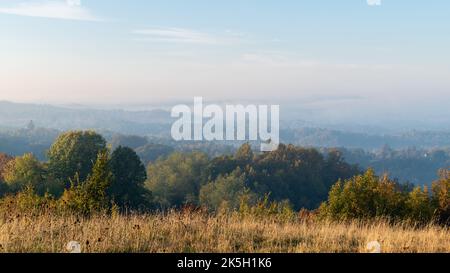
column 264, row 208
column 4, row 160
column 364, row 197
column 419, row 206
column 441, row 197
column 90, row 196
column 27, row 202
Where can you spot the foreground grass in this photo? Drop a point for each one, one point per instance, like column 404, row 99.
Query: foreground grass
column 197, row 232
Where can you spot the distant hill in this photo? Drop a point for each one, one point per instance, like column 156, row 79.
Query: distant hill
column 17, row 115
column 158, row 122
column 320, row 137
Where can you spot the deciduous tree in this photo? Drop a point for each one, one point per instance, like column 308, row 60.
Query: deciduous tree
column 129, row 174
column 74, row 153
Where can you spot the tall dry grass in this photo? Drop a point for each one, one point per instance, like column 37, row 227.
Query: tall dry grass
column 200, row 232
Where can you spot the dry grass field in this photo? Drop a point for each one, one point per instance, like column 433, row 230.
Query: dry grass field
column 199, row 232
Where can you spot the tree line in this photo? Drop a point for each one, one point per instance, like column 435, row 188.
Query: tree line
column 413, row 165
column 83, row 174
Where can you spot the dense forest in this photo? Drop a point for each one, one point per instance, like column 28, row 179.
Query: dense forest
column 83, row 174
column 414, row 165
column 301, row 176
column 324, row 137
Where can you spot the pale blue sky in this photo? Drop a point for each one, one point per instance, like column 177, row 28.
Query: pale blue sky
column 134, row 51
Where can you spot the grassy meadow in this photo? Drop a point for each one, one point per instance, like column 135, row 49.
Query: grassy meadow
column 200, row 232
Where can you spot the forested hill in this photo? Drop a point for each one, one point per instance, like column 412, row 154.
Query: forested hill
column 418, row 166
column 321, row 137
column 158, row 123
column 17, row 115
column 414, row 156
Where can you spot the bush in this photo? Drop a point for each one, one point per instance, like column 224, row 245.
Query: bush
column 27, row 202
column 364, row 197
column 419, row 206
column 4, row 160
column 441, row 197
column 90, row 196
column 368, row 196
column 264, row 208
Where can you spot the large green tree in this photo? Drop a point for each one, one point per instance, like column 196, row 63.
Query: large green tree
column 74, row 154
column 25, row 171
column 129, row 174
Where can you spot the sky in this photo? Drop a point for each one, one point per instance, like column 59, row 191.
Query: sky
column 388, row 54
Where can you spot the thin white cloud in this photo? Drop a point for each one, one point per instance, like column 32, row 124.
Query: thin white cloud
column 277, row 59
column 55, row 9
column 374, row 2
column 175, row 35
column 235, row 33
column 292, row 61
column 178, row 35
